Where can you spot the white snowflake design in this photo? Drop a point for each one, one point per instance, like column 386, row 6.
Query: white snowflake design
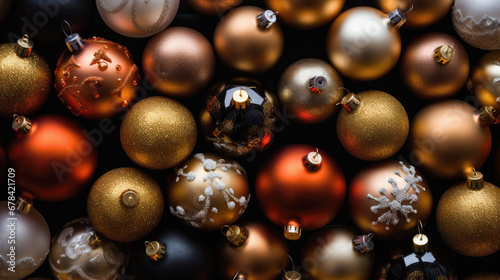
column 199, row 217
column 400, row 196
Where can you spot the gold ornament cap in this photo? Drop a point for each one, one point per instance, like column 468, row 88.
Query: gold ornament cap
column 73, row 41
column 475, row 180
column 488, row 115
column 363, row 243
column 317, row 84
column 130, row 198
column 266, row 19
column 350, row 102
column 240, row 99
column 21, row 124
column 24, row 46
column 443, row 54
column 23, row 204
column 235, row 235
column 313, row 160
column 292, row 275
column 397, row 18
column 420, row 243
column 155, row 250
column 292, row 232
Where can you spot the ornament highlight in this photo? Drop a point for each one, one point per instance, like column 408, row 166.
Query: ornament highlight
column 485, row 80
column 420, row 13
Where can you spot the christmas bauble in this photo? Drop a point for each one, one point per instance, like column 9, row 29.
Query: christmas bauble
column 420, row 13
column 170, row 254
column 300, row 188
column 478, row 23
column 484, row 276
column 178, row 62
column 213, row 7
column 53, row 158
column 363, row 44
column 125, row 204
column 468, row 217
column 239, row 117
column 41, row 20
column 434, row 65
column 329, row 254
column 96, row 80
column 252, row 251
column 4, row 9
column 388, row 199
column 208, row 191
column 485, row 78
column 25, row 78
column 449, row 139
column 137, row 19
column 310, row 89
column 78, row 252
column 158, row 133
column 372, row 125
column 24, row 241
column 306, row 14
column 249, row 39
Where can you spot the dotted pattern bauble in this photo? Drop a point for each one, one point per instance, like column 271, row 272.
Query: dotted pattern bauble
column 26, row 82
column 485, row 80
column 423, row 13
column 158, row 133
column 119, row 221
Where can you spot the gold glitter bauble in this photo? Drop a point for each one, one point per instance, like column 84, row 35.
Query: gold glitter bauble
column 373, row 129
column 423, row 13
column 468, row 218
column 158, row 133
column 485, row 80
column 208, row 191
column 26, row 82
column 125, row 204
column 310, row 90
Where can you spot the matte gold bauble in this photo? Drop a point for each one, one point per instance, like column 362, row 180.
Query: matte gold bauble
column 434, row 65
column 468, row 217
column 178, row 62
column 372, row 125
column 79, row 253
column 423, row 13
column 249, row 39
column 363, row 44
column 310, row 89
column 329, row 254
column 448, row 139
column 485, row 80
column 125, row 204
column 306, row 14
column 158, row 133
column 25, row 78
column 388, row 199
column 484, row 276
column 213, row 7
column 208, row 191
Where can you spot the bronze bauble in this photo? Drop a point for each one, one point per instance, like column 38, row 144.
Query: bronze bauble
column 213, row 7
column 485, row 80
column 423, row 13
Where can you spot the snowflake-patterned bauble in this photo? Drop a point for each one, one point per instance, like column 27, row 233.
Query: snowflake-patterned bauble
column 78, row 253
column 208, row 191
column 388, row 199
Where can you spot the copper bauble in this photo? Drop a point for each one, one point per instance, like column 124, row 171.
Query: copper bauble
column 239, row 117
column 477, row 23
column 448, row 139
column 484, row 276
column 363, row 44
column 54, row 160
column 258, row 257
column 306, row 14
column 388, row 199
column 245, row 44
column 76, row 254
column 97, row 80
column 178, row 62
column 208, row 191
column 329, row 254
column 468, row 217
column 213, row 7
column 125, row 204
column 25, row 79
column 300, row 188
column 434, row 65
column 485, row 78
column 310, row 89
column 31, row 236
column 137, row 19
column 372, row 125
column 421, row 13
column 158, row 133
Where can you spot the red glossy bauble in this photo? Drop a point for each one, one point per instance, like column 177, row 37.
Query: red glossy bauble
column 300, row 188
column 53, row 160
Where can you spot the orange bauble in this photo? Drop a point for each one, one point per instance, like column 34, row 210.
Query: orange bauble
column 300, row 188
column 388, row 199
column 53, row 159
column 97, row 79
